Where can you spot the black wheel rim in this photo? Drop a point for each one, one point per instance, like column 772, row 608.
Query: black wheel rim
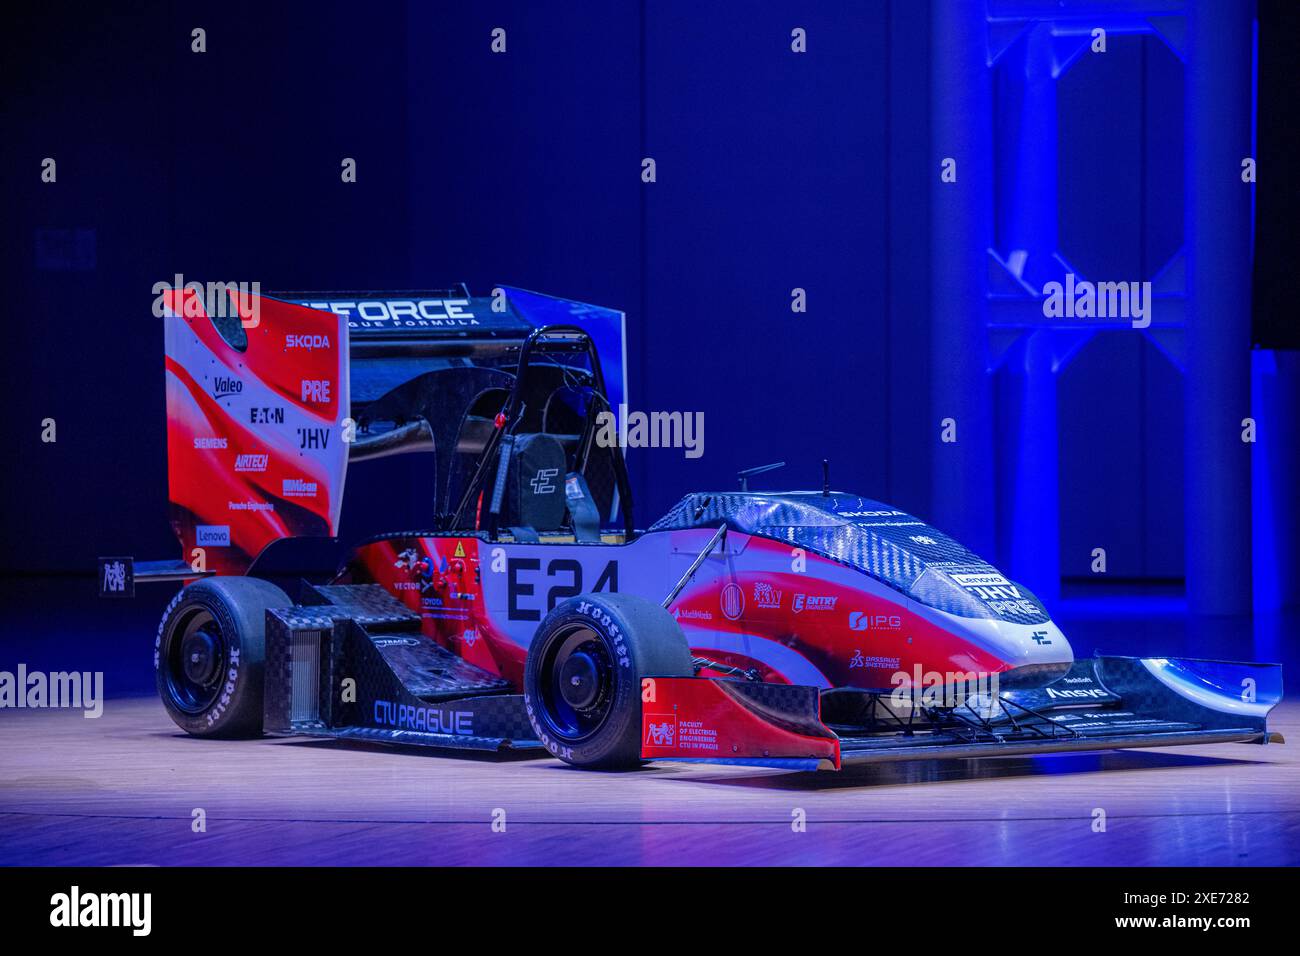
column 577, row 685
column 198, row 658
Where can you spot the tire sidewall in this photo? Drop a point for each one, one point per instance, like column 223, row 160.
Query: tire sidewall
column 637, row 651
column 237, row 711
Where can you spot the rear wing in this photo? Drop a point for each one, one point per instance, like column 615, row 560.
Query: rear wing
column 257, row 401
column 270, row 396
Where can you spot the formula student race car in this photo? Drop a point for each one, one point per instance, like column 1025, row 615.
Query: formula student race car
column 801, row 629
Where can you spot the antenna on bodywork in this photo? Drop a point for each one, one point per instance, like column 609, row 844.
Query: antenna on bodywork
column 748, row 473
column 826, row 478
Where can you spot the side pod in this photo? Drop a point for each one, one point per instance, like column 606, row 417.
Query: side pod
column 355, row 665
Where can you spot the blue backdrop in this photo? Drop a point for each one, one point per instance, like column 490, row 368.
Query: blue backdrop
column 774, row 171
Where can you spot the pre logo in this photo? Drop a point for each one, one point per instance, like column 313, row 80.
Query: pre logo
column 316, row 390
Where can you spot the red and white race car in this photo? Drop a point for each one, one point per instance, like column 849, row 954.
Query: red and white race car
column 800, row 629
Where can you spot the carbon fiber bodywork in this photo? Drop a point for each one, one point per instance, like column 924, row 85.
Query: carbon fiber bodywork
column 358, row 667
column 890, row 545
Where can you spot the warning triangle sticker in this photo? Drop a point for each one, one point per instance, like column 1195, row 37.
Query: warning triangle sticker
column 460, row 550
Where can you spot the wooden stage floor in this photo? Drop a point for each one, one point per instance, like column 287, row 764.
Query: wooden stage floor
column 123, row 789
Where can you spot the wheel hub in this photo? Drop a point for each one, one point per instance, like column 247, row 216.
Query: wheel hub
column 199, row 656
column 579, row 681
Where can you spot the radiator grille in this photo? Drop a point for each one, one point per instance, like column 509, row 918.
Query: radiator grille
column 304, row 667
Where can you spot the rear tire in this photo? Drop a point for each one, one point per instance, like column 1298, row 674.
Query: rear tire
column 582, row 678
column 209, row 655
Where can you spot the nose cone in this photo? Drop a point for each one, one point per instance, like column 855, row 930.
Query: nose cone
column 1034, row 654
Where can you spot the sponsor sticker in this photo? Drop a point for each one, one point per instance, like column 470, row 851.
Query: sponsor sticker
column 212, row 535
column 732, row 601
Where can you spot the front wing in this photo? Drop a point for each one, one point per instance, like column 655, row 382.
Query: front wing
column 1102, row 704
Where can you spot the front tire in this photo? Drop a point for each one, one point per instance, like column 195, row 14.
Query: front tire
column 209, row 655
column 582, row 678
